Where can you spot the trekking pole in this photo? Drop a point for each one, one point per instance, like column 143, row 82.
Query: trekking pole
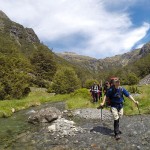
column 139, row 110
column 101, row 107
column 101, row 112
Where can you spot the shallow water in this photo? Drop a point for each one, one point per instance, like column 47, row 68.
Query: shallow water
column 11, row 127
column 17, row 134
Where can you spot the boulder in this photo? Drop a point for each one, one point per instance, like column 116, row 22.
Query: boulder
column 145, row 80
column 45, row 115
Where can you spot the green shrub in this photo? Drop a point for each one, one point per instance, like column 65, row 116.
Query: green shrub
column 90, row 82
column 65, row 81
column 133, row 89
column 81, row 93
column 14, row 68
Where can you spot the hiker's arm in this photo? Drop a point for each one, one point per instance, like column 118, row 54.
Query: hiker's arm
column 130, row 97
column 104, row 100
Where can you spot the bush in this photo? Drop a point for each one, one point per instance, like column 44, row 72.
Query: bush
column 14, row 68
column 134, row 89
column 65, row 81
column 132, row 79
column 82, row 93
column 44, row 64
column 89, row 83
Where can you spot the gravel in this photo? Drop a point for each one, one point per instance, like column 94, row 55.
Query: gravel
column 92, row 113
column 93, row 133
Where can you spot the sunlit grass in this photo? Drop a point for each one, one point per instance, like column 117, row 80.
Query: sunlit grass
column 144, row 102
column 8, row 107
column 79, row 99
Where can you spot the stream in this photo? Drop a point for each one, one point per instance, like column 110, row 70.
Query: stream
column 17, row 134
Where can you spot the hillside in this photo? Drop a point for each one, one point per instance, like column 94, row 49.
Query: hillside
column 95, row 65
column 25, row 61
column 130, row 67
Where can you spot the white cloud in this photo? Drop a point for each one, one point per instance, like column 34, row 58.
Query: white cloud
column 109, row 32
column 139, row 46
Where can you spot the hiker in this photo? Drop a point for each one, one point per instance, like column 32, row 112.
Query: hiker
column 115, row 95
column 99, row 92
column 106, row 87
column 94, row 91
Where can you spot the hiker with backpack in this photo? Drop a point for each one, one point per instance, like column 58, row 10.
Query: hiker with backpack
column 106, row 87
column 115, row 96
column 95, row 91
column 100, row 92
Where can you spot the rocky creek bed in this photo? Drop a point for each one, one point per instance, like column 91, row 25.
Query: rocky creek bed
column 83, row 129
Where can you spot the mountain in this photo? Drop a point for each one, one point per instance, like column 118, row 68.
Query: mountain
column 94, row 65
column 25, row 61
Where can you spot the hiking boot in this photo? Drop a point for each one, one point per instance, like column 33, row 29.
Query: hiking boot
column 117, row 137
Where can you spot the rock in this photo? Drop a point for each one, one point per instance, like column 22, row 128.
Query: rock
column 145, row 80
column 31, row 111
column 13, row 110
column 45, row 115
column 52, row 128
column 3, row 15
column 32, row 37
column 64, row 127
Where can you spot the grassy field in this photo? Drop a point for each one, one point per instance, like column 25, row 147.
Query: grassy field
column 35, row 98
column 144, row 101
column 79, row 99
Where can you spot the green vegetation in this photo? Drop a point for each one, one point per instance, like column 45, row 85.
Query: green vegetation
column 90, row 82
column 143, row 98
column 65, row 81
column 34, row 99
column 81, row 98
column 14, row 68
column 25, row 62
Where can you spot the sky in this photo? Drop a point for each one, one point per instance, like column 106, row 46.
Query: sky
column 95, row 28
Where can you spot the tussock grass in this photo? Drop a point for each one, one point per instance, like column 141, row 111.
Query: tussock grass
column 35, row 98
column 80, row 99
column 144, row 101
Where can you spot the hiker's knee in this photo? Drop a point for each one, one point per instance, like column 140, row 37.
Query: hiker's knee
column 121, row 113
column 115, row 113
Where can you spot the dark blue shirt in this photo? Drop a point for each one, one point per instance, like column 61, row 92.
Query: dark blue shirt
column 116, row 95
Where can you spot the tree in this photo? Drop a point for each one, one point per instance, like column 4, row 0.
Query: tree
column 14, row 79
column 65, row 81
column 132, row 79
column 44, row 65
column 90, row 82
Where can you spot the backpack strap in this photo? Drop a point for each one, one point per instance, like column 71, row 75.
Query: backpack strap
column 120, row 91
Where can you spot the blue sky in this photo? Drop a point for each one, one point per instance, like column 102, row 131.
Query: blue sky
column 96, row 28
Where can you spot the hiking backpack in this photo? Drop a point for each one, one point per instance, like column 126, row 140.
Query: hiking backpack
column 108, row 100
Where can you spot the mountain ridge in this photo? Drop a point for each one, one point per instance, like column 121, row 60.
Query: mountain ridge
column 105, row 63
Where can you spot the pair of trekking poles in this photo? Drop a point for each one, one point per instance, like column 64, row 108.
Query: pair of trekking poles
column 101, row 107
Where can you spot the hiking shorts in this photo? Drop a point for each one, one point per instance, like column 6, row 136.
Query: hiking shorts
column 117, row 113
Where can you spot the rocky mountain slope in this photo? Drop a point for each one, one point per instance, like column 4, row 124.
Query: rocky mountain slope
column 106, row 63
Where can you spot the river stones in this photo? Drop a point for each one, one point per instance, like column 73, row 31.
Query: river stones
column 45, row 115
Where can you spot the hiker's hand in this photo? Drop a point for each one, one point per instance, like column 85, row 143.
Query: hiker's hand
column 102, row 104
column 137, row 103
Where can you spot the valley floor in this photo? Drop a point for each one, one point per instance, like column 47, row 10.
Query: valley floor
column 97, row 134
